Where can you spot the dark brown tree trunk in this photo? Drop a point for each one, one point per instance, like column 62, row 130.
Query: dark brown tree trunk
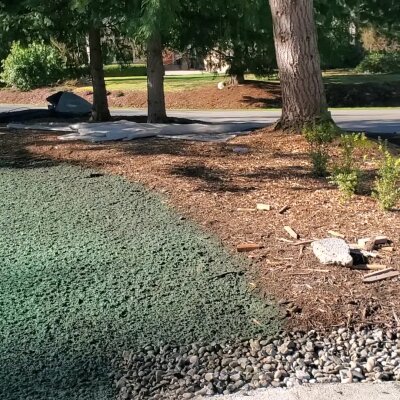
column 100, row 111
column 237, row 79
column 303, row 94
column 155, row 81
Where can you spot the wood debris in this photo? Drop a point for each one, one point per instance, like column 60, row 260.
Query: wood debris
column 303, row 242
column 283, row 209
column 292, row 233
column 363, row 267
column 381, row 240
column 388, row 249
column 336, row 234
column 376, row 276
column 370, row 244
column 246, row 209
column 285, row 240
column 243, row 247
column 301, row 252
column 263, row 207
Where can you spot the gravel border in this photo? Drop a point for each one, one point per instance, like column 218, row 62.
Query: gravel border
column 289, row 359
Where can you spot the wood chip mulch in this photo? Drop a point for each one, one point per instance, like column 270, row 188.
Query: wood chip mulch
column 219, row 186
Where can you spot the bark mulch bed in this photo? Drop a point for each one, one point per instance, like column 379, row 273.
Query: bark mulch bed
column 209, row 183
column 252, row 94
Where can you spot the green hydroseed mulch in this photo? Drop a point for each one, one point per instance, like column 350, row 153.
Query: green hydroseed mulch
column 92, row 265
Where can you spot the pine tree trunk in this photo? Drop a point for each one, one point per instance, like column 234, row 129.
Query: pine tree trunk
column 100, row 111
column 155, row 81
column 295, row 36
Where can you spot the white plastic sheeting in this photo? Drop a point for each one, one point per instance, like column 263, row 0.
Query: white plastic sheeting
column 127, row 130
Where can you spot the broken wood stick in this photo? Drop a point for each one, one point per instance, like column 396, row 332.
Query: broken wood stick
column 301, row 252
column 378, row 272
column 283, row 209
column 367, row 267
column 387, row 249
column 370, row 243
column 263, row 207
column 303, row 242
column 243, row 247
column 292, row 233
column 376, row 276
column 336, row 234
column 285, row 240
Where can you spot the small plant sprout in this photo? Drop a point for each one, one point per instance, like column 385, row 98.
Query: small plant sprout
column 387, row 183
column 319, row 136
column 346, row 173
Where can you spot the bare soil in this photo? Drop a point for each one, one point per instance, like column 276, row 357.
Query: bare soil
column 211, row 184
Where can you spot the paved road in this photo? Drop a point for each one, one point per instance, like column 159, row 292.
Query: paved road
column 357, row 391
column 370, row 120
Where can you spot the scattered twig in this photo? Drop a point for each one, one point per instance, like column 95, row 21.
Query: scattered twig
column 396, row 318
column 283, row 209
column 363, row 267
column 388, row 249
column 285, row 240
column 243, row 247
column 301, row 252
column 292, row 233
column 336, row 234
column 381, row 275
column 263, row 207
column 303, row 242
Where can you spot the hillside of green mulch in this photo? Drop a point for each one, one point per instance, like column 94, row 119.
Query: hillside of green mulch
column 91, row 265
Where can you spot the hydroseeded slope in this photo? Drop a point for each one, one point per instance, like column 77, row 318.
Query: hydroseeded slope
column 91, row 265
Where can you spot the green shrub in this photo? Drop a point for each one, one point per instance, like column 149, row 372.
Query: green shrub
column 319, row 136
column 29, row 67
column 387, row 183
column 380, row 62
column 116, row 70
column 346, row 173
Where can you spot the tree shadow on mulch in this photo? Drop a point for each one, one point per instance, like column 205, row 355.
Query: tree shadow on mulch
column 214, row 179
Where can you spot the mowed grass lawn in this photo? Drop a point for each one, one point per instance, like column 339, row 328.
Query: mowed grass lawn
column 172, row 83
column 184, row 82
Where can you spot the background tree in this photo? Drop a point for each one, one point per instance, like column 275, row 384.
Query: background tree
column 236, row 34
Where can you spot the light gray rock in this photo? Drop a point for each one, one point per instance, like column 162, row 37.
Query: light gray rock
column 332, row 251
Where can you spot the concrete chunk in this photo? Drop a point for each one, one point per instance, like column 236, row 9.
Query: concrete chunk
column 332, row 251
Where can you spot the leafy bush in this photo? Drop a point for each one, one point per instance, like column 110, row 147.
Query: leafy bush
column 380, row 62
column 116, row 70
column 387, row 183
column 346, row 174
column 319, row 136
column 29, row 67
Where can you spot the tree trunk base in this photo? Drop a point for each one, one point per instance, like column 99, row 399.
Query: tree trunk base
column 100, row 117
column 237, row 79
column 157, row 119
column 297, row 125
